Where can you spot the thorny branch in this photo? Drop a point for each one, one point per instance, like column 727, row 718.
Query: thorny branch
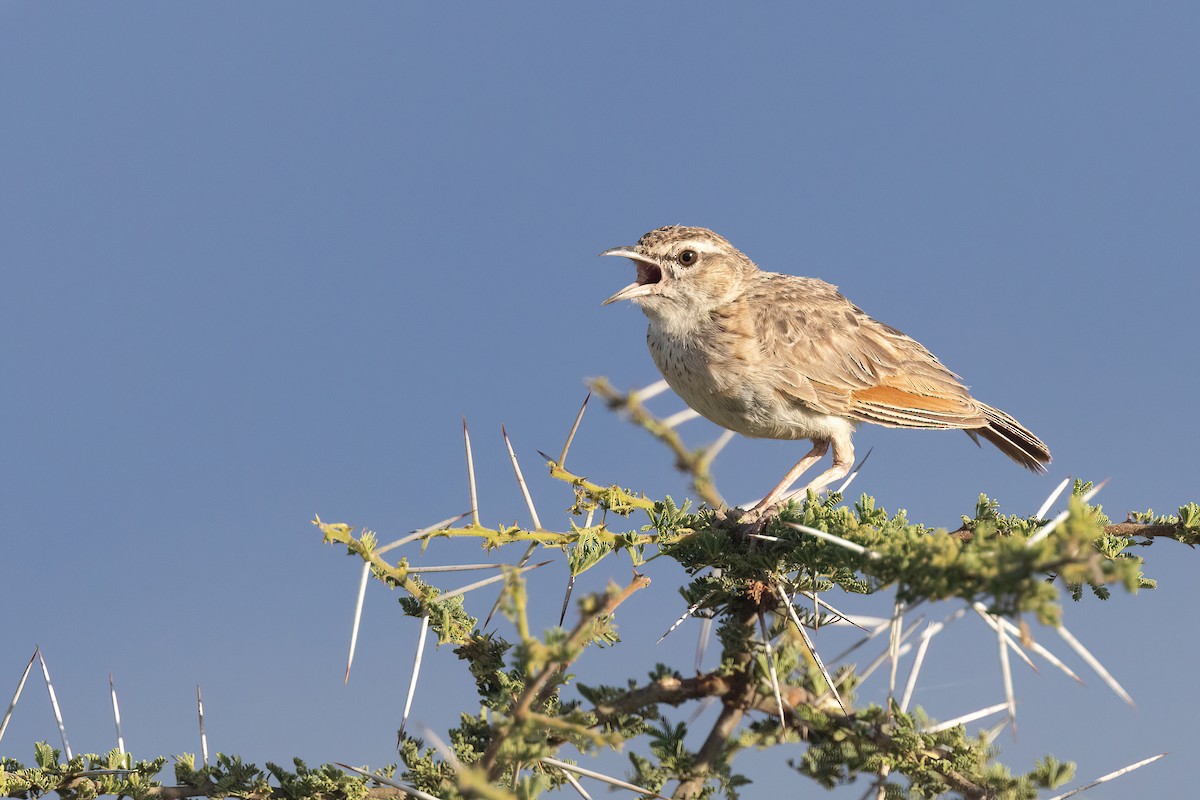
column 733, row 707
column 1177, row 531
column 580, row 636
column 696, row 463
column 523, row 710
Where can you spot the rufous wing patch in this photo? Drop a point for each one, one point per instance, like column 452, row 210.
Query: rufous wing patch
column 898, row 398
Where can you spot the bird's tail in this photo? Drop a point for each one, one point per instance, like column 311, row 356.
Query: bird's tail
column 1014, row 439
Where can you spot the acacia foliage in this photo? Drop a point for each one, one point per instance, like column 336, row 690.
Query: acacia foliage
column 743, row 577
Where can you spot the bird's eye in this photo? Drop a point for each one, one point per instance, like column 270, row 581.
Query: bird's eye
column 687, row 258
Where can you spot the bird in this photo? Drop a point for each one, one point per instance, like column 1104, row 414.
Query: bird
column 778, row 356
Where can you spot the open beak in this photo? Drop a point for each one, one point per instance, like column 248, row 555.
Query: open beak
column 649, row 275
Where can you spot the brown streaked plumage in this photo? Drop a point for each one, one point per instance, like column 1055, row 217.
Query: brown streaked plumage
column 782, row 357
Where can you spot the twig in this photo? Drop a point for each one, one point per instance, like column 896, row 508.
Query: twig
column 713, row 450
column 693, row 464
column 366, row 574
column 455, row 568
column 581, row 634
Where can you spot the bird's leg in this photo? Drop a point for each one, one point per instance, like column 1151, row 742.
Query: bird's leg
column 818, row 451
column 843, row 461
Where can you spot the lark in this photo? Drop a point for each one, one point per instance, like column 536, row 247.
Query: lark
column 777, row 356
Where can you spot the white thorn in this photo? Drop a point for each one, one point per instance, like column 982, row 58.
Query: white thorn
column 200, row 716
column 716, row 447
column 1110, row 776
column 416, row 670
column 441, row 747
column 811, row 648
column 1006, row 675
column 1050, row 526
column 762, row 624
column 653, row 390
column 562, row 459
column 965, row 718
column 389, row 782
column 116, row 715
column 931, row 630
column 1042, row 651
column 1041, row 512
column 358, row 607
column 62, row 730
column 412, row 537
column 471, row 474
column 897, row 628
column 691, row 610
column 17, row 694
column 839, row 541
column 537, row 523
column 571, row 779
column 849, row 478
column 903, row 650
column 880, row 625
column 554, row 762
column 485, row 582
column 702, row 640
column 996, row 623
column 680, row 417
column 1094, row 663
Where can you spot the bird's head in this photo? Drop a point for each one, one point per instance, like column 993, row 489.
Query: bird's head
column 682, row 270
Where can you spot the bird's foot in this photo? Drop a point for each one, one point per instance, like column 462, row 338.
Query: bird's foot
column 744, row 522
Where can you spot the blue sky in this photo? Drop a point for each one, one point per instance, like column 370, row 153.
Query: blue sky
column 260, row 259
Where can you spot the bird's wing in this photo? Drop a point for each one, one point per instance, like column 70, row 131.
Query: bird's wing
column 828, row 354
